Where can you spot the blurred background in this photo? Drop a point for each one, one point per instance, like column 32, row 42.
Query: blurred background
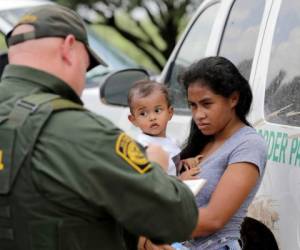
column 145, row 30
column 125, row 33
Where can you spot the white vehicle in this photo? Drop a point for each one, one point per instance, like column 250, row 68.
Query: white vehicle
column 262, row 37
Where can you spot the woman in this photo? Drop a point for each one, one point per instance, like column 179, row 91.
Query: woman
column 233, row 154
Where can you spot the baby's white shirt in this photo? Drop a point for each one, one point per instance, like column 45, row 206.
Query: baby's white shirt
column 168, row 144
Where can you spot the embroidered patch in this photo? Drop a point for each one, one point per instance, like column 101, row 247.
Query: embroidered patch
column 130, row 152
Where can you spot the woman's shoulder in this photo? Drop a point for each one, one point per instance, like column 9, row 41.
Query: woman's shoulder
column 249, row 146
column 249, row 141
column 248, row 134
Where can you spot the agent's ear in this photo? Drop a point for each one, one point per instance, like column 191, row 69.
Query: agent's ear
column 234, row 99
column 67, row 49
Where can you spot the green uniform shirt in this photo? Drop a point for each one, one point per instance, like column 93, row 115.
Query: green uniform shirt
column 97, row 174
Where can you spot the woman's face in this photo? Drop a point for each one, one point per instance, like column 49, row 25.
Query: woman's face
column 212, row 113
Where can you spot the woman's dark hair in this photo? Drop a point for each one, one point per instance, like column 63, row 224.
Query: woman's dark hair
column 223, row 78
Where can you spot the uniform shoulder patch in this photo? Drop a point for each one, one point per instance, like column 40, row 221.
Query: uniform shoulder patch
column 130, row 152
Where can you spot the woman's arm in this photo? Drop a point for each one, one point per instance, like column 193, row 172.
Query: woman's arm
column 234, row 187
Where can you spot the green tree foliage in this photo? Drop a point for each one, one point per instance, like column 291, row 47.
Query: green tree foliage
column 155, row 34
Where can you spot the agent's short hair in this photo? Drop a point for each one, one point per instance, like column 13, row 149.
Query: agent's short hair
column 144, row 88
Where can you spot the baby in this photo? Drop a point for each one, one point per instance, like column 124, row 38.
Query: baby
column 151, row 110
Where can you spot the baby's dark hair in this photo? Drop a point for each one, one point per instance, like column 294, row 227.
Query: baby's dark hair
column 144, row 88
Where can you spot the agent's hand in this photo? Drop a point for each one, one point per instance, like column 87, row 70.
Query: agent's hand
column 156, row 154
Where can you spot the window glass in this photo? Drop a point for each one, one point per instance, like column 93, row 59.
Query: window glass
column 192, row 49
column 241, row 32
column 282, row 95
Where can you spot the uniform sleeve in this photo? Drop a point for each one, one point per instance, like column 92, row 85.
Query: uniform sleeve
column 98, row 163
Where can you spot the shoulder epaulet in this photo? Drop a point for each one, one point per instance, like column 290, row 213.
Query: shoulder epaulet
column 30, row 104
column 60, row 104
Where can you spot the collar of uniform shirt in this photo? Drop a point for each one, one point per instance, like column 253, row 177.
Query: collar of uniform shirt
column 43, row 79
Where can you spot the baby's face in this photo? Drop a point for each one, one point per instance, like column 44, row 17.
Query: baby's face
column 151, row 113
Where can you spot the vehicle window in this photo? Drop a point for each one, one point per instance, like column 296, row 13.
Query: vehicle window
column 282, row 95
column 115, row 58
column 192, row 49
column 240, row 34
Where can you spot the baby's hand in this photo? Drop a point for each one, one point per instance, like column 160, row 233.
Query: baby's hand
column 192, row 162
column 190, row 173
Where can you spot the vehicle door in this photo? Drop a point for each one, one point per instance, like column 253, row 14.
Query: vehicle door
column 277, row 118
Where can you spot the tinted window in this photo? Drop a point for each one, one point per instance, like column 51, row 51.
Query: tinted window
column 241, row 32
column 192, row 49
column 282, row 96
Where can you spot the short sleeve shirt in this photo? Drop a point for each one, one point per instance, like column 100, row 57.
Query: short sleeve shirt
column 243, row 146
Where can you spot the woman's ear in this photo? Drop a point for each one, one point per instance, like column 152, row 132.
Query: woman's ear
column 234, row 98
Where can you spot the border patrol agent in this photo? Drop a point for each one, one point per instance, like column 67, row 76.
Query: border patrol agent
column 70, row 179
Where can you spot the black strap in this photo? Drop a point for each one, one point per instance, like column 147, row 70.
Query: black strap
column 19, row 38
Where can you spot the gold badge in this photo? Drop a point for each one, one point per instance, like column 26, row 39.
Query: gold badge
column 130, row 152
column 28, row 19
